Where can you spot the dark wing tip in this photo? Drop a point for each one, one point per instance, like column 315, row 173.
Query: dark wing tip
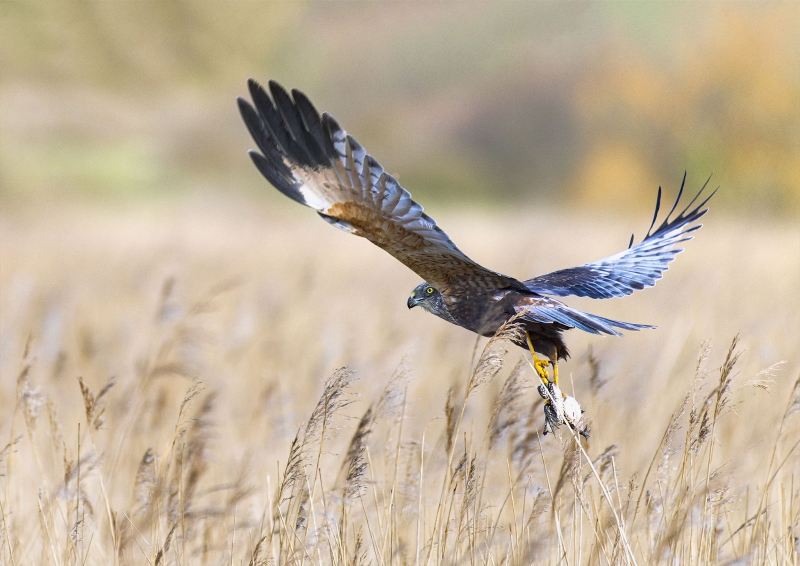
column 655, row 214
column 275, row 86
column 241, row 102
column 244, row 107
column 298, row 95
column 686, row 217
column 330, row 123
column 277, row 177
column 256, row 90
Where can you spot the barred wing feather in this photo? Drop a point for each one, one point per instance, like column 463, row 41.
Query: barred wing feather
column 312, row 160
column 637, row 267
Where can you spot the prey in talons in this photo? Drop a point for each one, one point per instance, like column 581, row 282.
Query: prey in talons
column 559, row 408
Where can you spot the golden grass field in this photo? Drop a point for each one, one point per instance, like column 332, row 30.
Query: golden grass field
column 164, row 397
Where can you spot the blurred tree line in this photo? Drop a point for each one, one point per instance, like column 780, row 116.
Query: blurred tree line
column 591, row 104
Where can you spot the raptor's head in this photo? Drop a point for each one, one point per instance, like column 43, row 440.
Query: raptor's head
column 426, row 297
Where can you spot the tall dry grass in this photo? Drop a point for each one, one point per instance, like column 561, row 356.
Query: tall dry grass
column 237, row 385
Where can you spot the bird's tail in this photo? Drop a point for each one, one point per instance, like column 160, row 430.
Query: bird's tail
column 573, row 318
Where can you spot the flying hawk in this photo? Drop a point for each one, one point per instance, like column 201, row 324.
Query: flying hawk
column 313, row 161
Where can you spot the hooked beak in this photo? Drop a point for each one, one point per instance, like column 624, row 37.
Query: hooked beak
column 412, row 302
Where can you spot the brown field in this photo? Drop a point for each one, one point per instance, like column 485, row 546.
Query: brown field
column 218, row 324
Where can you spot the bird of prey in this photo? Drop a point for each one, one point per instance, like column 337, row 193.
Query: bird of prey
column 312, row 160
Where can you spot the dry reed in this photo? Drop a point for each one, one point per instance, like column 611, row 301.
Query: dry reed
column 180, row 422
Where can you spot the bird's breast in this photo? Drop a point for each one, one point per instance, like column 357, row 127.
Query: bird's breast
column 483, row 313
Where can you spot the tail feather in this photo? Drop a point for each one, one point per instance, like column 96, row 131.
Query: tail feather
column 573, row 318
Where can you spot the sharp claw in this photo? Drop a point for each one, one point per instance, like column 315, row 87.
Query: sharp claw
column 541, row 368
column 538, row 364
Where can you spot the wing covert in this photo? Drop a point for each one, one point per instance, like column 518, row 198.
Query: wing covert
column 638, row 267
column 312, row 160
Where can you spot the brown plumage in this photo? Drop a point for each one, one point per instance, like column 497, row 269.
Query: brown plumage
column 313, row 161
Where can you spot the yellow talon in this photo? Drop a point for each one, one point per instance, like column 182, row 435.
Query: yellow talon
column 541, row 368
column 539, row 364
column 555, row 372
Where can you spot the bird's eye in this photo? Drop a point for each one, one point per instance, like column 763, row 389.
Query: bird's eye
column 429, row 290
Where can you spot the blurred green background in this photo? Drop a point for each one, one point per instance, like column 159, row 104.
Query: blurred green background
column 585, row 104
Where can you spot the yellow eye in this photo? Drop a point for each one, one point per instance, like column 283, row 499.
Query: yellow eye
column 429, row 290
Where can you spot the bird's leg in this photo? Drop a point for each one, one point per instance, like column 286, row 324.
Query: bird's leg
column 555, row 372
column 549, row 391
column 539, row 364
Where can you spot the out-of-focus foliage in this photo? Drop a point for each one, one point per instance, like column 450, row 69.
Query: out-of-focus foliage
column 594, row 104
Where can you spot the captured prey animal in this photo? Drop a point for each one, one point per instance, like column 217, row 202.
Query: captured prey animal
column 312, row 160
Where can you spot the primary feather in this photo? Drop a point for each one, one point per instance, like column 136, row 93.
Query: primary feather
column 637, row 267
column 313, row 161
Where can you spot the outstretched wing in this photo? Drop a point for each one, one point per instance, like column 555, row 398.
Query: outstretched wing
column 637, row 267
column 313, row 161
